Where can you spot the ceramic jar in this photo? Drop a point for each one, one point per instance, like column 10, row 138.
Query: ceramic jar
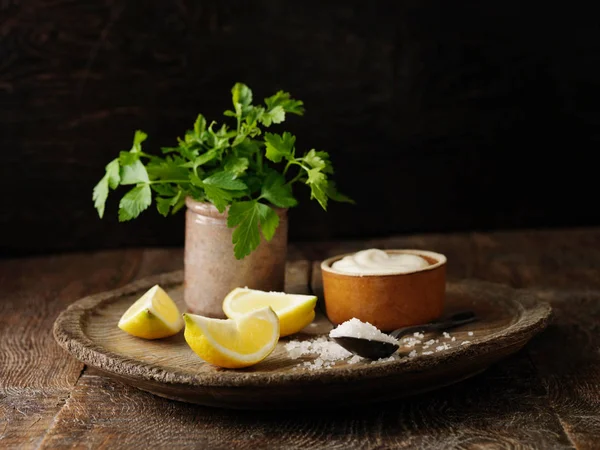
column 211, row 270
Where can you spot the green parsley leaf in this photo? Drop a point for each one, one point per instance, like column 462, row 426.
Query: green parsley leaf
column 110, row 180
column 134, row 202
column 112, row 173
column 244, row 217
column 217, row 196
column 167, row 169
column 241, row 94
column 284, row 100
column 314, row 160
column 164, row 204
column 138, row 138
column 225, row 180
column 317, row 182
column 275, row 115
column 334, row 195
column 237, row 165
column 164, row 189
column 269, row 220
column 128, row 158
column 134, row 173
column 254, row 115
column 100, row 194
column 279, row 146
column 275, row 190
column 199, row 126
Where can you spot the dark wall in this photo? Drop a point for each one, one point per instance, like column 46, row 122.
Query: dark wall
column 438, row 115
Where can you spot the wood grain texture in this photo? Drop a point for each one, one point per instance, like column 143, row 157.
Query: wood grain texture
column 572, row 375
column 102, row 413
column 541, row 398
column 408, row 104
column 35, row 376
column 538, row 259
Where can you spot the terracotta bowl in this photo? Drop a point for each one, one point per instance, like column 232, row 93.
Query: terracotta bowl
column 387, row 301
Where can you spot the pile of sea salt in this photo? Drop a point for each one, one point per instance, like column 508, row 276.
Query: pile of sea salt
column 329, row 352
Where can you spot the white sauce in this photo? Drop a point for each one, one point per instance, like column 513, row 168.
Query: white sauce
column 378, row 262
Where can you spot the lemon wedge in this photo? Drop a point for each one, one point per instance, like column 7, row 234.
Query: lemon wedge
column 153, row 316
column 294, row 311
column 233, row 343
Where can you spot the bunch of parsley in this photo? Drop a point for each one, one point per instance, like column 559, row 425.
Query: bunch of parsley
column 238, row 167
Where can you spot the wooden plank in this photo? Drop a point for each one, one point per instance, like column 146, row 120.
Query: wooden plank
column 503, row 408
column 567, row 359
column 36, row 376
column 562, row 259
column 556, row 263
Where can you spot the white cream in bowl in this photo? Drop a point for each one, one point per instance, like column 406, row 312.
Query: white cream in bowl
column 377, row 262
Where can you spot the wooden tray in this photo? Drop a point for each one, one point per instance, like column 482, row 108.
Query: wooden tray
column 168, row 367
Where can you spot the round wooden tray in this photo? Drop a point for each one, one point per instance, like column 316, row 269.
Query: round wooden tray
column 168, row 367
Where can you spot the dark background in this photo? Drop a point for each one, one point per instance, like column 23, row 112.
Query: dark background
column 439, row 116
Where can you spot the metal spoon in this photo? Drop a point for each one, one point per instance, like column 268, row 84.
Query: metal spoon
column 372, row 349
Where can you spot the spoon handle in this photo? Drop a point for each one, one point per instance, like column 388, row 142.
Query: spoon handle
column 454, row 320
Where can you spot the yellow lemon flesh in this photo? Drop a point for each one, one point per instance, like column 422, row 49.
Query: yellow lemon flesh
column 153, row 316
column 294, row 311
column 233, row 343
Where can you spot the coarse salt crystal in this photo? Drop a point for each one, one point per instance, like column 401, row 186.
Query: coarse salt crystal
column 412, row 354
column 430, row 342
column 470, row 333
column 427, row 353
column 465, row 342
column 362, row 330
column 446, row 335
column 419, row 335
column 410, row 342
column 453, row 339
column 354, row 359
column 388, row 359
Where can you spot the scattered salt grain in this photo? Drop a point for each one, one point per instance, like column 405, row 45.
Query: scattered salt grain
column 418, row 335
column 328, row 353
column 465, row 342
column 427, row 353
column 439, row 348
column 388, row 359
column 362, row 330
column 410, row 342
column 430, row 342
column 354, row 359
column 412, row 354
column 446, row 335
column 326, row 349
column 453, row 339
column 470, row 333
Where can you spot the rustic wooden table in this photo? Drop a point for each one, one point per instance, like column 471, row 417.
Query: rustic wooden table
column 546, row 396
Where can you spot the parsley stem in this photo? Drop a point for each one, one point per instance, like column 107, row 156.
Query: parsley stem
column 296, row 178
column 259, row 162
